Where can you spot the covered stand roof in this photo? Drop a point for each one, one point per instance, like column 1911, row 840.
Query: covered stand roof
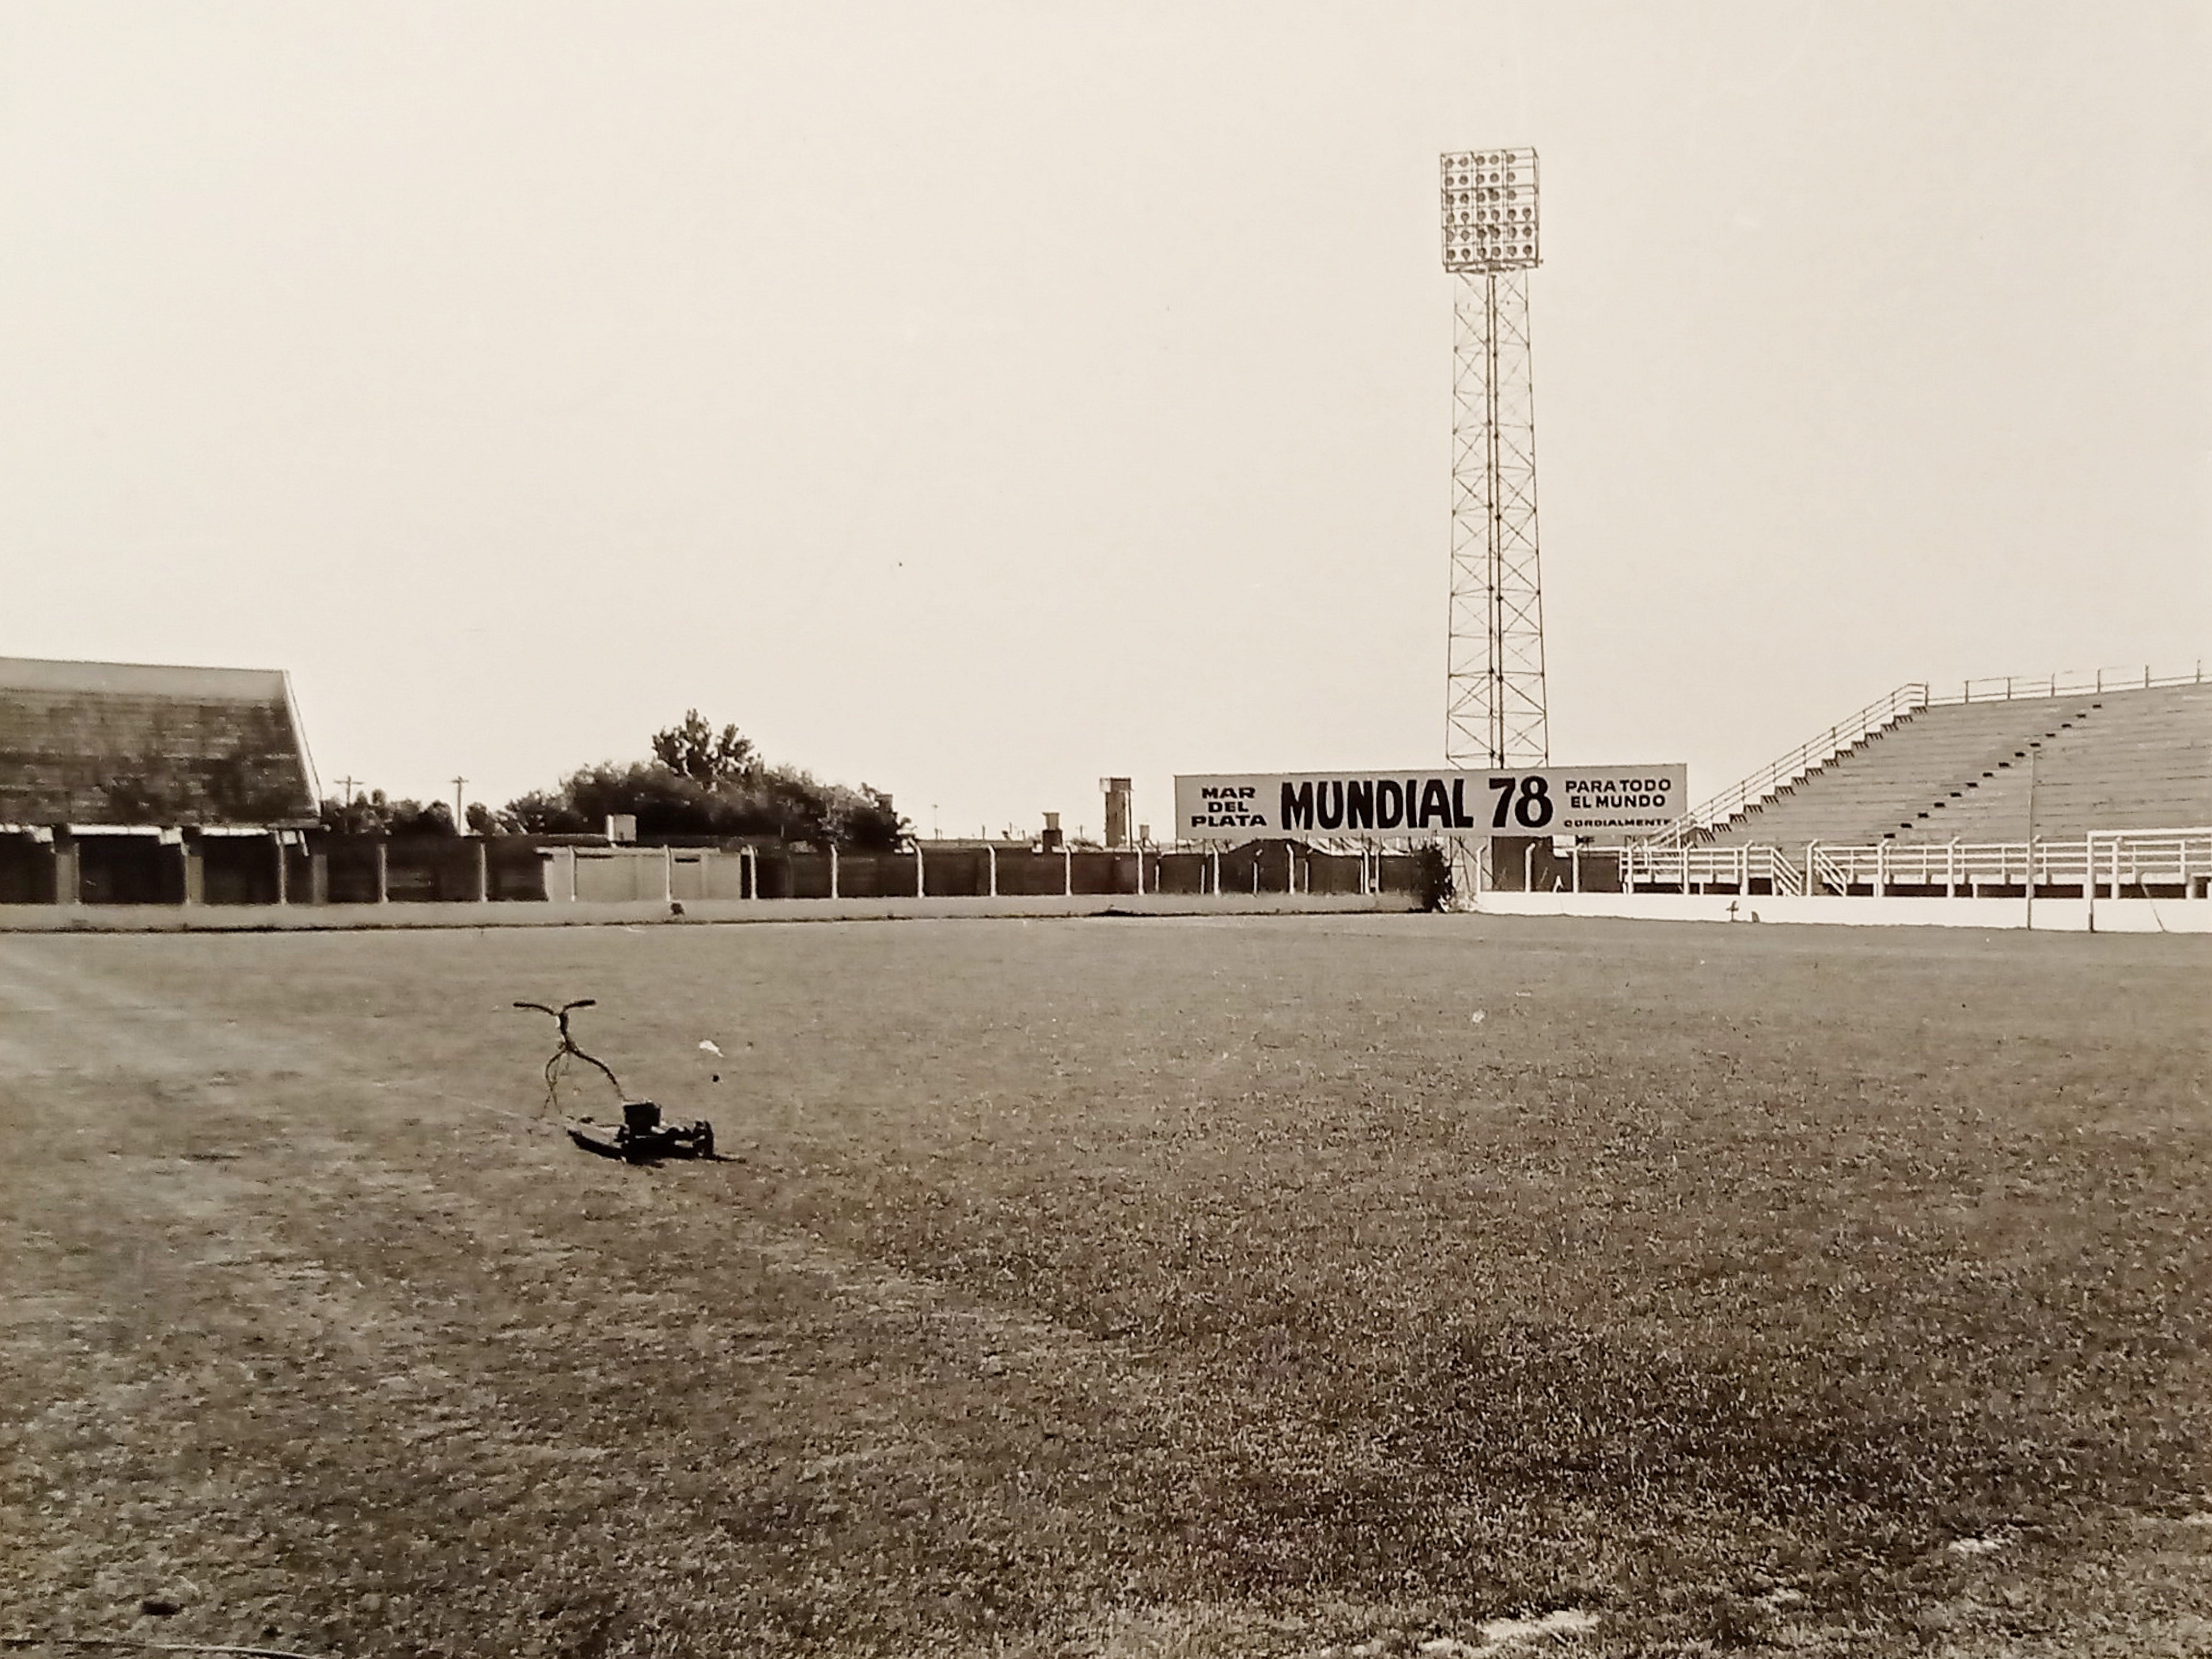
column 115, row 744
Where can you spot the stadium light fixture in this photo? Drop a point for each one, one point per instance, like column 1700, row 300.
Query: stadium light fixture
column 1490, row 210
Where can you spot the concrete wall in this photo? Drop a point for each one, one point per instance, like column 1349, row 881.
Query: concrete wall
column 1529, row 859
column 615, row 878
column 302, row 918
column 378, row 872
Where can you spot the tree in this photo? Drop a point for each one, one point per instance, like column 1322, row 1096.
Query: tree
column 695, row 749
column 707, row 783
column 865, row 820
column 373, row 814
column 545, row 812
column 1433, row 876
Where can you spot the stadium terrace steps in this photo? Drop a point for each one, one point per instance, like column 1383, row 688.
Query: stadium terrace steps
column 2103, row 759
column 2139, row 760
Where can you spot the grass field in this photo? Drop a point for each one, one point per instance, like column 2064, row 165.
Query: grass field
column 1120, row 1287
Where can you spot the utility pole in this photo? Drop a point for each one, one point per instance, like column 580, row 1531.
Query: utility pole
column 347, row 784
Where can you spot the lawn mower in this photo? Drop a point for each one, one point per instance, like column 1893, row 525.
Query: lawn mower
column 641, row 1137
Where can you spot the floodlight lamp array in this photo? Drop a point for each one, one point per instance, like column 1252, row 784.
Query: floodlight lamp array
column 1490, row 209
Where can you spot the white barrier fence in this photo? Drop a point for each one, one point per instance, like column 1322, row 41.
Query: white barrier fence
column 1694, row 869
column 2108, row 864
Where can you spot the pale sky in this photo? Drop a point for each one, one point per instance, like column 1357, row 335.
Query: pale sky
column 974, row 400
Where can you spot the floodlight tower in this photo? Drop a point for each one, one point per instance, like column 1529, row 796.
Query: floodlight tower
column 1494, row 688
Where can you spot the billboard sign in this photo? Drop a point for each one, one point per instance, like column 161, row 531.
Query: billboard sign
column 1542, row 800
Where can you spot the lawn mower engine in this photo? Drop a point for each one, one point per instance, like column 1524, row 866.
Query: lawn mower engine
column 643, row 1137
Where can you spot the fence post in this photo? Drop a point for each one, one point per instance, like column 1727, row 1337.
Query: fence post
column 833, row 869
column 991, row 860
column 1881, row 869
column 920, row 882
column 2089, row 876
column 1066, row 871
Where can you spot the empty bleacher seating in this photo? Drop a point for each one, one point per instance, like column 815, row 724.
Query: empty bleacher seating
column 2103, row 760
column 84, row 743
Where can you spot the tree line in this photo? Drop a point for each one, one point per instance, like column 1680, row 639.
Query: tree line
column 699, row 782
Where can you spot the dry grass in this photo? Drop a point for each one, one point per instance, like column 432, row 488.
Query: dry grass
column 1129, row 1288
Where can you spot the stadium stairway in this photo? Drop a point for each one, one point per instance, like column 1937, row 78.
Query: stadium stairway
column 2103, row 759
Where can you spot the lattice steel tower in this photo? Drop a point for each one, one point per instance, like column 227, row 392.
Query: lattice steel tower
column 1494, row 689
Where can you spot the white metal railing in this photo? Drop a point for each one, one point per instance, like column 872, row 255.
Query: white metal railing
column 1949, row 865
column 2065, row 685
column 1807, row 757
column 1642, row 864
column 2137, row 858
column 2114, row 860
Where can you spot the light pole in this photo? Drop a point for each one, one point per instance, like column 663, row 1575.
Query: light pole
column 1494, row 701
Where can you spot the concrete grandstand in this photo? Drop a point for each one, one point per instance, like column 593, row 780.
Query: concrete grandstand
column 1997, row 769
column 132, row 782
column 2048, row 789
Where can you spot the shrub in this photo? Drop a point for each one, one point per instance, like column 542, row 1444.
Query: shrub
column 1433, row 876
